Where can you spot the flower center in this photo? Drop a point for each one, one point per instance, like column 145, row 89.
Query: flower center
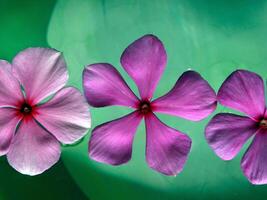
column 25, row 109
column 263, row 123
column 144, row 107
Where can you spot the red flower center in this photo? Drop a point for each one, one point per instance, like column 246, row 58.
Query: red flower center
column 26, row 109
column 144, row 107
column 263, row 123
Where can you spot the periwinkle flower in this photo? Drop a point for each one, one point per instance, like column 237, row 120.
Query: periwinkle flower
column 166, row 148
column 30, row 130
column 226, row 133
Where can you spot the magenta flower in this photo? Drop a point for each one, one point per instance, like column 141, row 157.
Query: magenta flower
column 226, row 133
column 30, row 130
column 166, row 148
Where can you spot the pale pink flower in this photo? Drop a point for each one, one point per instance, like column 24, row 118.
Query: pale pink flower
column 31, row 131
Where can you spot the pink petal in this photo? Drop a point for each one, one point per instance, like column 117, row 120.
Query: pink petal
column 166, row 148
column 227, row 133
column 254, row 162
column 104, row 86
column 8, row 124
column 243, row 91
column 145, row 60
column 191, row 98
column 10, row 92
column 33, row 150
column 66, row 115
column 112, row 142
column 41, row 71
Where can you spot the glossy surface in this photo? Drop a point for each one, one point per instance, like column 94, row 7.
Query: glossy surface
column 212, row 37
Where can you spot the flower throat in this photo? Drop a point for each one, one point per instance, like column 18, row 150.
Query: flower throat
column 25, row 109
column 145, row 107
column 263, row 123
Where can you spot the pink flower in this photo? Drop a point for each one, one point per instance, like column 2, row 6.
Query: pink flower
column 226, row 133
column 166, row 148
column 30, row 130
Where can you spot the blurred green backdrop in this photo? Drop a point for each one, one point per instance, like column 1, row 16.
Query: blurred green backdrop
column 213, row 37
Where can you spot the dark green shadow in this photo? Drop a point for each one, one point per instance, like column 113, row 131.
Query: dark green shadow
column 23, row 24
column 56, row 184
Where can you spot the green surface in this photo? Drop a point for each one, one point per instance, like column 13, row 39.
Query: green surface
column 24, row 24
column 213, row 37
column 210, row 36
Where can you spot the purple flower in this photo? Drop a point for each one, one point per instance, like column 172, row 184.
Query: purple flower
column 166, row 148
column 30, row 130
column 226, row 133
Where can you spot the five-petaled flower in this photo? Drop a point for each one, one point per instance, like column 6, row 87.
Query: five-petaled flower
column 226, row 133
column 30, row 130
column 166, row 148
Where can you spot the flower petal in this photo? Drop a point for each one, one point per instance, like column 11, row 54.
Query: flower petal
column 243, row 91
column 166, row 148
column 8, row 123
column 66, row 115
column 145, row 60
column 191, row 98
column 265, row 114
column 33, row 150
column 41, row 71
column 104, row 86
column 111, row 142
column 227, row 133
column 254, row 162
column 10, row 92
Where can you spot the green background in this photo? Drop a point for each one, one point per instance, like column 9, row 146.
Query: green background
column 213, row 37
